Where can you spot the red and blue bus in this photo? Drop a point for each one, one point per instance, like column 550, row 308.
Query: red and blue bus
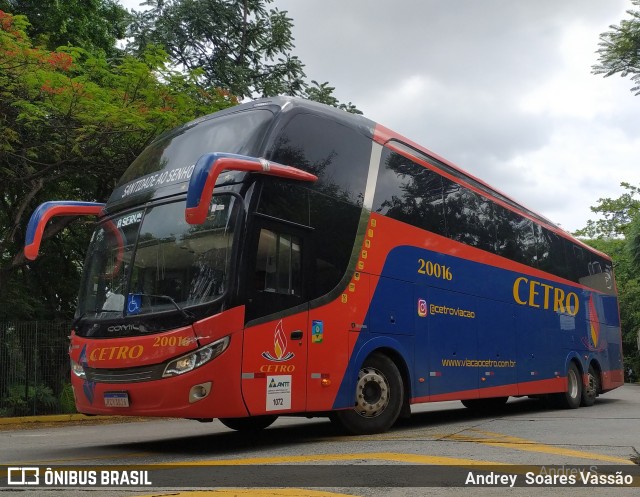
column 283, row 257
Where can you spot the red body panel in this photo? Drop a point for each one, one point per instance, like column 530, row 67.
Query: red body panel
column 166, row 396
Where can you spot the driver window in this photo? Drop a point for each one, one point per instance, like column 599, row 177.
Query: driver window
column 278, row 264
column 277, row 282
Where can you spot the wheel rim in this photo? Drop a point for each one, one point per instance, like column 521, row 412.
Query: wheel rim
column 573, row 384
column 372, row 393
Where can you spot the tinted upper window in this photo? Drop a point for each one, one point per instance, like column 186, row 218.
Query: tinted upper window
column 469, row 217
column 337, row 154
column 515, row 236
column 409, row 192
column 414, row 194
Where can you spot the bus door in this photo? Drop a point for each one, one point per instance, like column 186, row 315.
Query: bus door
column 274, row 363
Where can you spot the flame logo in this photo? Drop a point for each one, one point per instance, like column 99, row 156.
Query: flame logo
column 592, row 342
column 279, row 346
column 594, row 322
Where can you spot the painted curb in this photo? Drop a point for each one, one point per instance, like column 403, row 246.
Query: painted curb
column 55, row 418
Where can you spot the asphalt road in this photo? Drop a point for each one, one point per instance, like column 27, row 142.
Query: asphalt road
column 444, row 442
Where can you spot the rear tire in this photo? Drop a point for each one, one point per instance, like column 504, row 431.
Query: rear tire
column 592, row 388
column 250, row 424
column 485, row 405
column 378, row 399
column 572, row 398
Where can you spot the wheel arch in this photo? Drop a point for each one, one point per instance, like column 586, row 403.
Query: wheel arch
column 595, row 364
column 400, row 354
column 401, row 364
column 573, row 357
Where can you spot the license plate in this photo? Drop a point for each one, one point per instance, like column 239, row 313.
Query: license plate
column 116, row 399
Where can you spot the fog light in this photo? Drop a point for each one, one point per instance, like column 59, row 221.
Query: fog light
column 199, row 392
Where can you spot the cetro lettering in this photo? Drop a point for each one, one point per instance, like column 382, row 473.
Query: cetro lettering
column 277, row 368
column 118, row 353
column 540, row 295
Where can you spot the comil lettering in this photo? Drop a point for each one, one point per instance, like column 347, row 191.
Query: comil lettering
column 543, row 296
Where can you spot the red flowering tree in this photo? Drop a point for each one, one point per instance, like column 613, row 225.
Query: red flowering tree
column 70, row 124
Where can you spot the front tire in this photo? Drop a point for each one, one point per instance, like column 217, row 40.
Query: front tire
column 379, row 395
column 572, row 398
column 250, row 424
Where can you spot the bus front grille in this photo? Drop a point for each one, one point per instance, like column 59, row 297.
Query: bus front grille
column 125, row 375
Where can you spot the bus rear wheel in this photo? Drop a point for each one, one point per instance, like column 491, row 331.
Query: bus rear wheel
column 572, row 398
column 378, row 398
column 250, row 424
column 591, row 389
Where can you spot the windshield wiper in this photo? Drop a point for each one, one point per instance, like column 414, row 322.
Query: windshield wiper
column 77, row 320
column 187, row 314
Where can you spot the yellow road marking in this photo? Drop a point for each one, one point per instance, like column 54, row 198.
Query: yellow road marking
column 505, row 441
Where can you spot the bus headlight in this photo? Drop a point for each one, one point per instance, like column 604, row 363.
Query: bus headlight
column 196, row 358
column 77, row 369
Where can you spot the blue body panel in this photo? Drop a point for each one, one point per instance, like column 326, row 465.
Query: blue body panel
column 478, row 330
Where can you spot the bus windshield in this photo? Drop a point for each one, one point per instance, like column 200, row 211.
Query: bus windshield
column 151, row 260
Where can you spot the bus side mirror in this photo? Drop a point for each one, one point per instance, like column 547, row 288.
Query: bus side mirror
column 209, row 167
column 44, row 212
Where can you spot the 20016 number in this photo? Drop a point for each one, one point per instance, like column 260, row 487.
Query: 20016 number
column 434, row 269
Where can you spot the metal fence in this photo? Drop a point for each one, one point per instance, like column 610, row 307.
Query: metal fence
column 34, row 368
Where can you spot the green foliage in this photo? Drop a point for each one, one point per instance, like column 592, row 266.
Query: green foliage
column 66, row 401
column 242, row 47
column 239, row 46
column 23, row 401
column 323, row 93
column 95, row 25
column 633, row 243
column 616, row 214
column 617, row 234
column 71, row 121
column 619, row 51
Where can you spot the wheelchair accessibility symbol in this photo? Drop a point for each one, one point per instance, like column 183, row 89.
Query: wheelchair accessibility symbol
column 134, row 302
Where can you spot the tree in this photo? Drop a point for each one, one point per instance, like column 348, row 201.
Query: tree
column 617, row 214
column 619, row 50
column 70, row 124
column 323, row 93
column 618, row 235
column 238, row 45
column 90, row 24
column 633, row 243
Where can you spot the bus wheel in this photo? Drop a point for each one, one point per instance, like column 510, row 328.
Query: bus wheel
column 252, row 423
column 378, row 398
column 485, row 405
column 573, row 396
column 591, row 389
